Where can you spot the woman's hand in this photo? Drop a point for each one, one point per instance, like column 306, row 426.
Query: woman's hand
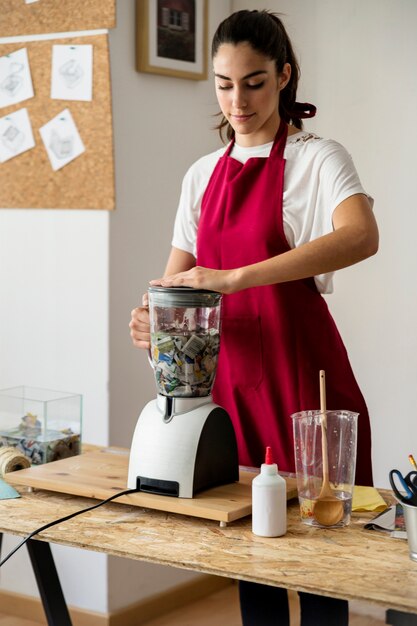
column 139, row 325
column 223, row 281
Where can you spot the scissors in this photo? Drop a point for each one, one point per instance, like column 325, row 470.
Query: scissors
column 408, row 493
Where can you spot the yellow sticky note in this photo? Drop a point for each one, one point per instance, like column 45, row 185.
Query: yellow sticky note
column 367, row 499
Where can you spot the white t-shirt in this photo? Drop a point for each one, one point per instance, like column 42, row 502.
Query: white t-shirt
column 319, row 175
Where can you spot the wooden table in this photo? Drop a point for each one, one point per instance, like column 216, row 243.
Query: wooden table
column 349, row 563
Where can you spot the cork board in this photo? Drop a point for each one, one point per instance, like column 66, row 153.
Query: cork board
column 55, row 16
column 28, row 180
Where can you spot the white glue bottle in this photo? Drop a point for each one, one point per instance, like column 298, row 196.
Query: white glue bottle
column 269, row 500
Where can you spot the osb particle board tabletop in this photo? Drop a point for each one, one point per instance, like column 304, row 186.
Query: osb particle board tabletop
column 102, row 473
column 350, row 563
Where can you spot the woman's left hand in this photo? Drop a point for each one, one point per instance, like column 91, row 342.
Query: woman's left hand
column 223, row 281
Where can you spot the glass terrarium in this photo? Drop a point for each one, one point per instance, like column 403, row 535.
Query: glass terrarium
column 44, row 425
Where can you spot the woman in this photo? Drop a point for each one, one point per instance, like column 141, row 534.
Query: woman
column 266, row 221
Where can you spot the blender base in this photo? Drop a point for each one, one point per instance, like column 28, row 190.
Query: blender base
column 182, row 446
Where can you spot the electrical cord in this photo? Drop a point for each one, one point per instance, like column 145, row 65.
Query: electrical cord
column 64, row 519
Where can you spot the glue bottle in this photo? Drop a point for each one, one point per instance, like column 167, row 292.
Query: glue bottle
column 269, row 500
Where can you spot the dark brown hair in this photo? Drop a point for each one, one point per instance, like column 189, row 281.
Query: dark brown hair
column 265, row 32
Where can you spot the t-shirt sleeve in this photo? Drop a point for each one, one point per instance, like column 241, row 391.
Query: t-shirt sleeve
column 188, row 213
column 320, row 175
column 338, row 179
column 193, row 187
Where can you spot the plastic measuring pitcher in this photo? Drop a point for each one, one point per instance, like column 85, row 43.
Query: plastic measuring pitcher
column 341, row 447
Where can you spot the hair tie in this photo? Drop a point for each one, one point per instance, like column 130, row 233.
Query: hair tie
column 302, row 110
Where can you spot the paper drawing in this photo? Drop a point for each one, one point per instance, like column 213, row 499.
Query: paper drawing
column 62, row 147
column 13, row 81
column 15, row 78
column 16, row 134
column 62, row 140
column 72, row 72
column 13, row 138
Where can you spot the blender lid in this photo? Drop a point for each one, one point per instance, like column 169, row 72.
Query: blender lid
column 184, row 297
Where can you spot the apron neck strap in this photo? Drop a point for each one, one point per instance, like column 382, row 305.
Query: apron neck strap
column 279, row 140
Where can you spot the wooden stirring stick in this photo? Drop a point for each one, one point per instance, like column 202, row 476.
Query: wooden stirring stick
column 328, row 509
column 323, row 419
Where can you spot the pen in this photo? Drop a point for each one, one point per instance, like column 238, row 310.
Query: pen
column 412, row 461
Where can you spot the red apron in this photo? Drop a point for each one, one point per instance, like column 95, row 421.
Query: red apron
column 275, row 338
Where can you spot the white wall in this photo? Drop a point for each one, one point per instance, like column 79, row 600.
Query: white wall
column 54, row 334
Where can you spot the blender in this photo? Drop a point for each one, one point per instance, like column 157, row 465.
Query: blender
column 183, row 442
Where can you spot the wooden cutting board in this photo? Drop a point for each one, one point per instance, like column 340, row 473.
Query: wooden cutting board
column 103, row 472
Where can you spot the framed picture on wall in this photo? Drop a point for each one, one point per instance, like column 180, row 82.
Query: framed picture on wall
column 171, row 37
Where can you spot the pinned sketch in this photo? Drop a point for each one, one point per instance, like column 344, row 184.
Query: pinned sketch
column 62, row 140
column 15, row 78
column 72, row 72
column 16, row 134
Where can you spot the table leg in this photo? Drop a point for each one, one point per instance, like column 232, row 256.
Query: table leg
column 50, row 590
column 399, row 618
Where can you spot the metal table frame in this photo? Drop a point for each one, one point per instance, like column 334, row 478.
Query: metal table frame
column 47, row 579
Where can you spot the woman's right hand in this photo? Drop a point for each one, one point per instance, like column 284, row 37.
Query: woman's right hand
column 139, row 325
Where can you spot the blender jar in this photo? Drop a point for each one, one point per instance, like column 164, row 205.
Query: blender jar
column 185, row 339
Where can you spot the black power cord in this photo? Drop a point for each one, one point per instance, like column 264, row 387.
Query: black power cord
column 64, row 519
